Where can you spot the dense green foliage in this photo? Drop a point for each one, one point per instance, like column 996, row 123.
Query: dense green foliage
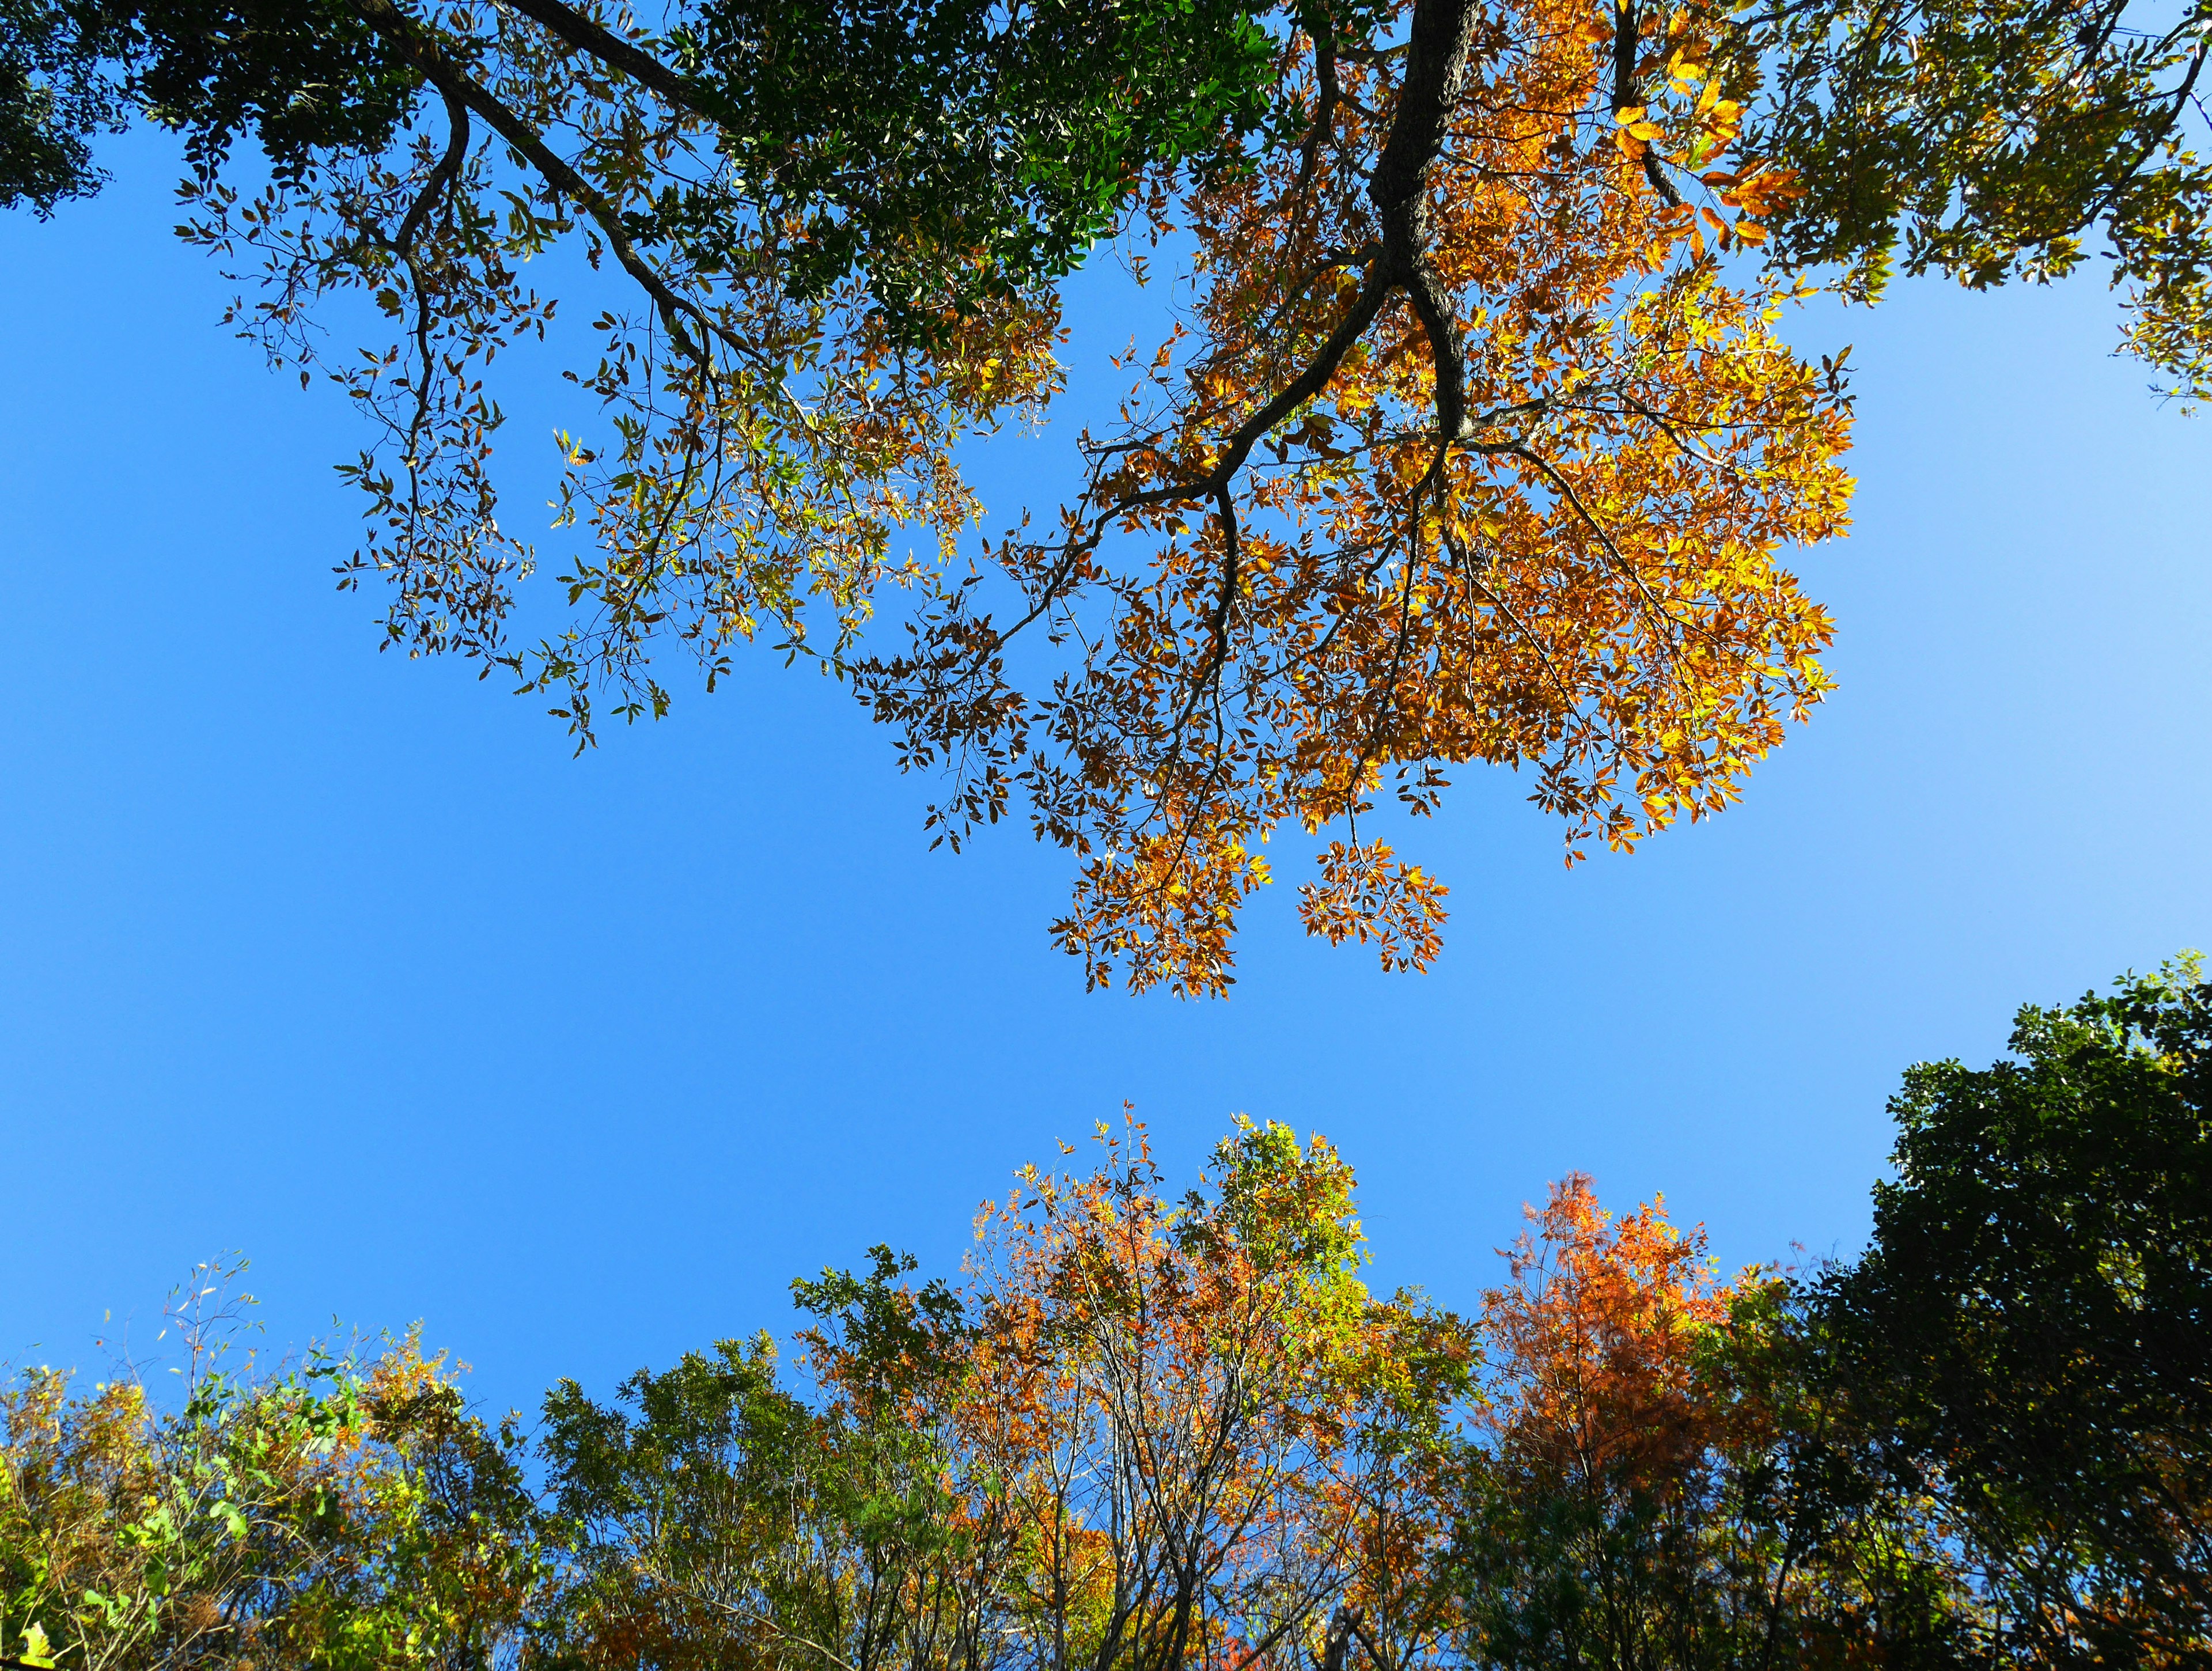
column 955, row 149
column 2033, row 1326
column 949, row 150
column 1156, row 1435
column 51, row 98
column 305, row 79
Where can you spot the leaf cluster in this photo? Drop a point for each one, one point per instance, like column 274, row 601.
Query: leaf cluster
column 952, row 151
column 1994, row 139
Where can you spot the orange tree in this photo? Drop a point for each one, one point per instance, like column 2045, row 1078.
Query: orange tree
column 1588, row 1542
column 1665, row 1475
column 1467, row 450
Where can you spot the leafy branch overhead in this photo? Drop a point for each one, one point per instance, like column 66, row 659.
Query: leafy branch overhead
column 1468, row 436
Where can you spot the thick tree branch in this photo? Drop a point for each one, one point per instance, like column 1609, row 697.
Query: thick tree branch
column 567, row 24
column 1325, row 98
column 1224, row 509
column 442, row 176
column 1436, row 69
column 1437, row 53
column 1628, row 92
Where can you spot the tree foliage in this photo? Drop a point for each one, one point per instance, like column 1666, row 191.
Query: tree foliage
column 1995, row 140
column 1145, row 1431
column 1668, row 1477
column 2031, row 1328
column 340, row 1511
column 1312, row 566
column 1467, row 435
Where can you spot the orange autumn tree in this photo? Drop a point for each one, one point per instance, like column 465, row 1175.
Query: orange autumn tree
column 1667, row 1476
column 1594, row 1347
column 1472, row 445
column 1602, row 1533
column 1467, row 437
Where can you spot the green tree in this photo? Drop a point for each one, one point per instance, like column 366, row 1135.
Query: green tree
column 712, row 1518
column 2029, row 1337
column 339, row 1511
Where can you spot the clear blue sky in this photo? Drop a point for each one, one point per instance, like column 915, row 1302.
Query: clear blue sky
column 342, row 960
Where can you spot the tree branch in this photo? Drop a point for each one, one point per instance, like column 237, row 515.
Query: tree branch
column 567, row 24
column 427, row 58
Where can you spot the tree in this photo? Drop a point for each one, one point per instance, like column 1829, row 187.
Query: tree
column 1474, row 441
column 730, row 1521
column 2030, row 1334
column 1352, row 566
column 1595, row 1535
column 1667, row 1479
column 334, row 1512
column 1221, row 1450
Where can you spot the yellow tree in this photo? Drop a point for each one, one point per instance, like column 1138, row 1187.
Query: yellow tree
column 1222, row 1449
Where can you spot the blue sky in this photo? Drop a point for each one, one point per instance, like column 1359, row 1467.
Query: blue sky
column 341, row 960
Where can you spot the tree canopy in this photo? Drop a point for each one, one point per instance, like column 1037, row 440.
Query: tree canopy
column 2033, row 1326
column 1151, row 1430
column 1469, row 434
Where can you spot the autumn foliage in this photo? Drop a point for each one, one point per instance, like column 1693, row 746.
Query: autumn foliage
column 1146, row 1431
column 1463, row 431
column 1165, row 1435
column 1473, row 447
